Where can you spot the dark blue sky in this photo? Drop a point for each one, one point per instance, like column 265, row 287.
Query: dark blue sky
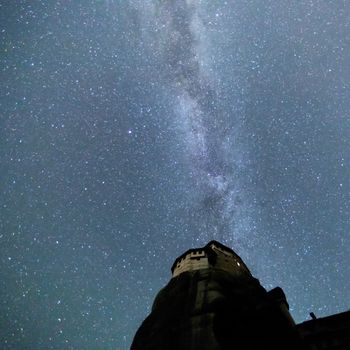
column 132, row 130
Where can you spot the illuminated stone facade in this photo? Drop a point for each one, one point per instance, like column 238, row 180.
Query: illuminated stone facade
column 213, row 255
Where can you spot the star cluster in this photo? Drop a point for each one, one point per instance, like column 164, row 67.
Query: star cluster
column 132, row 130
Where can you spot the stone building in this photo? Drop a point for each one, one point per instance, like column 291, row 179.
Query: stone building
column 213, row 302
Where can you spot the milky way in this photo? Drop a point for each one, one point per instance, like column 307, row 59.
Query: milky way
column 207, row 130
column 134, row 130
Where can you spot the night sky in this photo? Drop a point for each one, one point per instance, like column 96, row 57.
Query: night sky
column 133, row 130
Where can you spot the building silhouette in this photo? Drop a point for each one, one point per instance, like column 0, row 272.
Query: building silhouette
column 213, row 302
column 327, row 333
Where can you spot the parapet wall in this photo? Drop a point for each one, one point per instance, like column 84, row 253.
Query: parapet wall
column 212, row 255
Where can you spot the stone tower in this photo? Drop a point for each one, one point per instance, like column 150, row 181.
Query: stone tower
column 213, row 302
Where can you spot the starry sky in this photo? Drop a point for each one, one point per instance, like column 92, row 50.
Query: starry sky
column 133, row 130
